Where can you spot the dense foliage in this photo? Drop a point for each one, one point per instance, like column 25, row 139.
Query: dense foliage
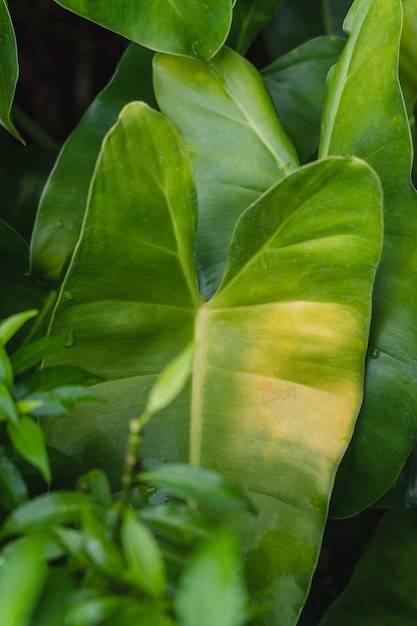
column 208, row 346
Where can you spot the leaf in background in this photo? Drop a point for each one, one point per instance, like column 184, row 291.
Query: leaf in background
column 364, row 115
column 200, row 485
column 403, row 492
column 212, row 589
column 23, row 293
column 383, row 587
column 171, row 381
column 334, row 12
column 297, row 84
column 44, row 512
column 249, row 17
column 29, row 441
column 51, row 377
column 6, row 371
column 279, row 349
column 146, row 568
column 10, row 325
column 238, row 148
column 22, row 574
column 185, row 27
column 13, row 490
column 62, row 207
column 9, row 69
column 177, row 522
column 102, row 551
column 408, row 55
column 58, row 401
column 29, row 355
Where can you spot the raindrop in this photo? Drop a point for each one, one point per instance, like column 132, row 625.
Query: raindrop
column 194, row 48
column 374, row 353
column 330, row 457
column 71, row 340
column 263, row 262
column 68, row 295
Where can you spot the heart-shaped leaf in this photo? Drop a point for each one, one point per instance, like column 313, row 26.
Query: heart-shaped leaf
column 278, row 365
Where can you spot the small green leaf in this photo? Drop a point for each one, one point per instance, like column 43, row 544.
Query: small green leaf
column 100, row 548
column 203, row 486
column 44, row 512
column 7, row 406
column 177, row 522
column 29, row 441
column 171, row 381
column 13, row 490
column 22, row 574
column 32, row 354
column 146, row 566
column 56, row 402
column 211, row 590
column 12, row 324
column 9, row 69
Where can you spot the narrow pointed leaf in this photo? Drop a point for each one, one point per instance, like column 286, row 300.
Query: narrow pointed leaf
column 28, row 439
column 249, row 17
column 102, row 551
column 7, row 405
column 9, row 69
column 171, row 381
column 10, row 325
column 297, row 84
column 189, row 27
column 408, row 55
column 13, row 490
column 387, row 426
column 238, row 148
column 383, row 587
column 278, row 368
column 62, row 206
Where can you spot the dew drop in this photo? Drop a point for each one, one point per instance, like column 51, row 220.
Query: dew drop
column 71, row 340
column 59, row 224
column 68, row 295
column 374, row 353
column 194, row 48
column 330, row 457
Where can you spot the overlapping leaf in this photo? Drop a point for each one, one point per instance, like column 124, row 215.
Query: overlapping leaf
column 237, row 145
column 278, row 367
column 189, row 27
column 62, row 207
column 365, row 116
column 249, row 16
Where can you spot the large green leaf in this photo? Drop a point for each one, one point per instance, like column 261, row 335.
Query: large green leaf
column 383, row 588
column 278, row 366
column 238, row 148
column 62, row 207
column 297, row 84
column 365, row 116
column 408, row 55
column 9, row 69
column 249, row 16
column 189, row 27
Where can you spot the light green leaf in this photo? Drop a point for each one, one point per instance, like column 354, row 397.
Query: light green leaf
column 28, row 439
column 10, row 325
column 22, row 574
column 171, row 380
column 62, row 207
column 43, row 512
column 383, row 587
column 238, row 148
column 365, row 115
column 101, row 550
column 29, row 355
column 212, row 588
column 249, row 17
column 56, row 402
column 146, row 568
column 201, row 485
column 9, row 69
column 6, row 371
column 279, row 349
column 186, row 27
column 297, row 84
column 7, row 406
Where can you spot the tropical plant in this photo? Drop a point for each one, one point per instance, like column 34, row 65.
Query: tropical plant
column 267, row 218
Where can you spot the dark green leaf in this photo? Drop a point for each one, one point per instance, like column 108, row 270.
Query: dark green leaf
column 29, row 441
column 249, row 16
column 10, row 325
column 7, row 406
column 383, row 587
column 102, row 551
column 32, row 354
column 297, row 84
column 177, row 522
column 97, row 485
column 9, row 69
column 58, row 401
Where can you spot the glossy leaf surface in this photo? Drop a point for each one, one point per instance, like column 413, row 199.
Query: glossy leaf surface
column 9, row 69
column 238, row 148
column 297, row 84
column 383, row 587
column 62, row 206
column 387, row 426
column 278, row 367
column 186, row 27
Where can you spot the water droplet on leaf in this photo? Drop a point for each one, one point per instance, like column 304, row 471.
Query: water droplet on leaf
column 71, row 340
column 263, row 262
column 68, row 295
column 374, row 353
